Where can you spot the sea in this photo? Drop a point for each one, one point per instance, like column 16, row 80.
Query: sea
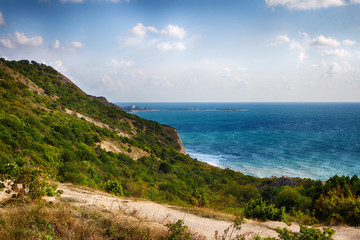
column 306, row 140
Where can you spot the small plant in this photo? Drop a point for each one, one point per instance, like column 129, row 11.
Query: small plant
column 306, row 233
column 179, row 231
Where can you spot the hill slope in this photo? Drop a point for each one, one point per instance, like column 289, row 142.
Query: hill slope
column 48, row 123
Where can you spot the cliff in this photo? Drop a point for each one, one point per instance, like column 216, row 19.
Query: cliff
column 174, row 134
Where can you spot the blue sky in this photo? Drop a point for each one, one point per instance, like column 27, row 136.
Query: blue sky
column 192, row 50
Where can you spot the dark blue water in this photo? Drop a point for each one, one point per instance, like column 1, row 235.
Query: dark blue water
column 308, row 140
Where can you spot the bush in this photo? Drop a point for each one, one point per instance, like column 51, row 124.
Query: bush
column 114, row 187
column 306, row 234
column 335, row 209
column 179, row 231
column 260, row 210
column 165, row 167
column 292, row 198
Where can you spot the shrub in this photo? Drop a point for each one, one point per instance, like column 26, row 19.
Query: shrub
column 292, row 198
column 260, row 210
column 114, row 187
column 306, row 234
column 179, row 231
column 338, row 209
column 165, row 167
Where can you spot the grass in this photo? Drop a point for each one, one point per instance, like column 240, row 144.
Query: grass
column 62, row 220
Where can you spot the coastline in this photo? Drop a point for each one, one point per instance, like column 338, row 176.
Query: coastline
column 305, row 140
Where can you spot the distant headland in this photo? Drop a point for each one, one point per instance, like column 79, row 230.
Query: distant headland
column 134, row 108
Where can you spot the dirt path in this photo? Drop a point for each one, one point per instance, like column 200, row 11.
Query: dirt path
column 163, row 214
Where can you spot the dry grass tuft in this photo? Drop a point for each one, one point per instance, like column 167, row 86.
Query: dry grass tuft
column 42, row 220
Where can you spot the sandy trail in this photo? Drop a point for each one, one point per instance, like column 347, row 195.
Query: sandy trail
column 150, row 211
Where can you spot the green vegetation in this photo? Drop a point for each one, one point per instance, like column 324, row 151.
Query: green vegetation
column 40, row 140
column 37, row 133
column 306, row 234
column 114, row 187
column 336, row 201
column 179, row 231
column 260, row 210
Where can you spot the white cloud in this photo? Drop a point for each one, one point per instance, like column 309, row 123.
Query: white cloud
column 336, row 68
column 174, row 31
column 322, row 64
column 329, row 47
column 282, row 39
column 58, row 66
column 293, row 45
column 126, row 64
column 20, row 39
column 166, row 46
column 305, row 4
column 241, row 68
column 7, row 43
column 2, row 21
column 111, row 85
column 76, row 44
column 337, row 52
column 301, row 58
column 349, row 42
column 140, row 30
column 56, row 44
column 139, row 36
column 324, row 42
column 160, row 81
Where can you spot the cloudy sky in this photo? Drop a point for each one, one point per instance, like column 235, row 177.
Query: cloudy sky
column 192, row 50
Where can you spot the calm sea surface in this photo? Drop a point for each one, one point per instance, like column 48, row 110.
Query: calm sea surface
column 308, row 140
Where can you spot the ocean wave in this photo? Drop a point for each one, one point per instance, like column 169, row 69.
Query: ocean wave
column 213, row 160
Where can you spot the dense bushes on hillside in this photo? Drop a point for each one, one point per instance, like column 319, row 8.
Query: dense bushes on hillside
column 334, row 202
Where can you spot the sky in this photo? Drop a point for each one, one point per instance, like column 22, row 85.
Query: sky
column 192, row 50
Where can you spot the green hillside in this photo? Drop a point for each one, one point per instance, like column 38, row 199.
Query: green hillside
column 48, row 123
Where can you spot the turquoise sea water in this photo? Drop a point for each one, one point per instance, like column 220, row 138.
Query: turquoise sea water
column 308, row 140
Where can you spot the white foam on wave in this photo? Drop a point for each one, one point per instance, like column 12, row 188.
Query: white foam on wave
column 304, row 168
column 208, row 158
column 278, row 170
